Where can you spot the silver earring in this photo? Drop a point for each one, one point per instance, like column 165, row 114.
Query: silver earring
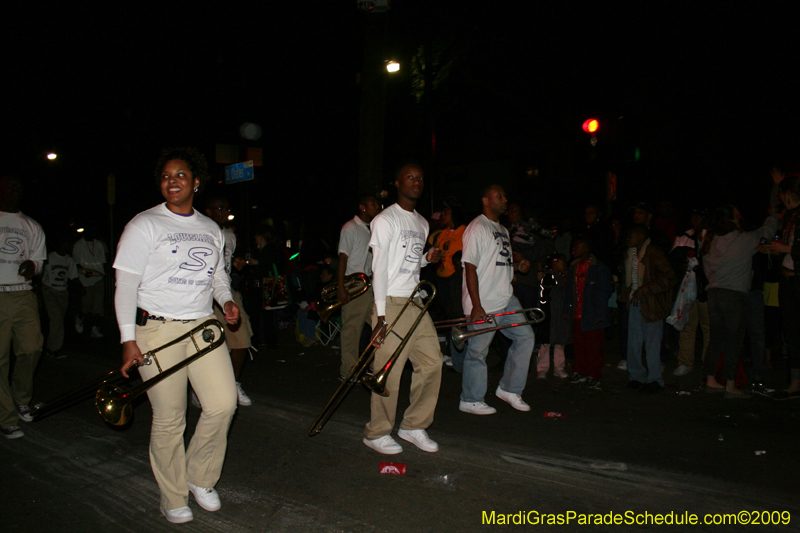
column 195, row 189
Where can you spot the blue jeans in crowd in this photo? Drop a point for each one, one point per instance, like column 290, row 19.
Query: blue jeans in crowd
column 647, row 334
column 515, row 373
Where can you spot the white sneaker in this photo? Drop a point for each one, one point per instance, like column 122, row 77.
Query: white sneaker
column 24, row 413
column 622, row 365
column 244, row 399
column 95, row 334
column 13, row 432
column 195, row 400
column 514, row 400
column 419, row 438
column 448, row 361
column 682, row 370
column 79, row 324
column 208, row 499
column 476, row 408
column 181, row 515
column 560, row 374
column 541, row 375
column 385, row 445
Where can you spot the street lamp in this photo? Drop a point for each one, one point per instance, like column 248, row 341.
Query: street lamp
column 52, row 156
column 392, row 66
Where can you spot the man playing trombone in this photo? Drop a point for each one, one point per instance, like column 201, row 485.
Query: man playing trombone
column 354, row 256
column 488, row 271
column 398, row 240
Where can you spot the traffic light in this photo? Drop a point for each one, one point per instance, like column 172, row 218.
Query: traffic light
column 591, row 125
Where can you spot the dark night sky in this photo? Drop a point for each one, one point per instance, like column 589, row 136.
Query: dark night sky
column 708, row 95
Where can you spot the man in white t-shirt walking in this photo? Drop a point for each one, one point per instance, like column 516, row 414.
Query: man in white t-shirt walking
column 488, row 271
column 236, row 336
column 398, row 240
column 89, row 254
column 22, row 251
column 59, row 271
column 355, row 256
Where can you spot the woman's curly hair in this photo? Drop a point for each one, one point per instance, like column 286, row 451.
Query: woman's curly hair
column 193, row 157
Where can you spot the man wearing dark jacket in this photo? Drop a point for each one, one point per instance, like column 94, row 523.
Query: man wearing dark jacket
column 648, row 279
column 588, row 288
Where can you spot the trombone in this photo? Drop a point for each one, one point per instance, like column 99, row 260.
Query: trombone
column 111, row 402
column 377, row 382
column 356, row 284
column 533, row 315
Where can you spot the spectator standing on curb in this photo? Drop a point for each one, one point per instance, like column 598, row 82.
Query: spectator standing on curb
column 588, row 288
column 728, row 254
column 647, row 290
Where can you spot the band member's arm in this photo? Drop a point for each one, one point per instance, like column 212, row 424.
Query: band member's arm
column 38, row 252
column 125, row 306
column 471, row 274
column 380, row 286
column 341, row 293
column 222, row 290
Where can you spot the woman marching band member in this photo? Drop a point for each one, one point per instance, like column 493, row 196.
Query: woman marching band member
column 170, row 265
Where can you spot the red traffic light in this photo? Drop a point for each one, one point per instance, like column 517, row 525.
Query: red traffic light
column 591, row 125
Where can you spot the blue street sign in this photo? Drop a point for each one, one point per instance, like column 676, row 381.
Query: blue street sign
column 239, row 172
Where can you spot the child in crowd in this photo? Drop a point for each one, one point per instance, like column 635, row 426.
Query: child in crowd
column 588, row 288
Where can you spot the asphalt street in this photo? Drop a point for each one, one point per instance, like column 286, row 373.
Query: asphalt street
column 676, row 453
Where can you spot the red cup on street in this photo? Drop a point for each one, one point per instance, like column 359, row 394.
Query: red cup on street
column 392, row 468
column 553, row 414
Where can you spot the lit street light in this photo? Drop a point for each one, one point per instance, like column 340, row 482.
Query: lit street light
column 392, row 66
column 52, row 156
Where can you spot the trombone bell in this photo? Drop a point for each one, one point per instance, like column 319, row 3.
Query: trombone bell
column 110, row 403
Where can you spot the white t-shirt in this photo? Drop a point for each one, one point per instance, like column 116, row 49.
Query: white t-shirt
column 398, row 241
column 179, row 259
column 487, row 246
column 354, row 241
column 58, row 270
column 21, row 239
column 91, row 255
column 230, row 246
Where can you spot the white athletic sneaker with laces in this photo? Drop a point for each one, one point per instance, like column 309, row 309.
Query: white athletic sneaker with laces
column 560, row 374
column 24, row 413
column 419, row 438
column 385, row 445
column 622, row 365
column 181, row 515
column 208, row 499
column 514, row 400
column 476, row 408
column 13, row 432
column 244, row 399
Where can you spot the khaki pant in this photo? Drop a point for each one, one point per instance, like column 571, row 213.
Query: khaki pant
column 56, row 303
column 212, row 379
column 19, row 324
column 423, row 351
column 240, row 338
column 688, row 338
column 354, row 315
